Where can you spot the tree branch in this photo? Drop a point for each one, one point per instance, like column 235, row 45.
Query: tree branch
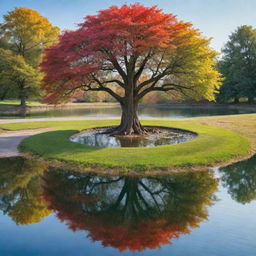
column 164, row 88
column 153, row 79
column 114, row 81
column 143, row 64
column 116, row 65
column 103, row 88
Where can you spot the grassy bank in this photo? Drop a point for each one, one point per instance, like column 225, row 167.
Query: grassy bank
column 220, row 140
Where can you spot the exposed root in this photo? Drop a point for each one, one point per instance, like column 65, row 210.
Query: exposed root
column 120, row 130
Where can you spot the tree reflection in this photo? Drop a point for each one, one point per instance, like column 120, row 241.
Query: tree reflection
column 21, row 190
column 240, row 179
column 128, row 212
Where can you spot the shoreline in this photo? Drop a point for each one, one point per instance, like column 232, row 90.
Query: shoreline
column 14, row 111
column 233, row 145
column 75, row 118
column 241, row 125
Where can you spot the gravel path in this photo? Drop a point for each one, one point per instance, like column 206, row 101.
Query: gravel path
column 9, row 140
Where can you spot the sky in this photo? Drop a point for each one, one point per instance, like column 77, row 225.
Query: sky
column 216, row 19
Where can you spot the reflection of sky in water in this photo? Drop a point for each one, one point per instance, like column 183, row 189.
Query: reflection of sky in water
column 96, row 138
column 227, row 228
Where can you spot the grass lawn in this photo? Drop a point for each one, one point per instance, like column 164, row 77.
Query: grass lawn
column 220, row 140
column 11, row 103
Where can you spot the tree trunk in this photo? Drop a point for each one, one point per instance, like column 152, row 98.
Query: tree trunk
column 130, row 123
column 236, row 100
column 23, row 106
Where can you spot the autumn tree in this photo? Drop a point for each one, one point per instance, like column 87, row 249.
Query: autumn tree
column 4, row 89
column 238, row 66
column 17, row 74
column 25, row 33
column 137, row 49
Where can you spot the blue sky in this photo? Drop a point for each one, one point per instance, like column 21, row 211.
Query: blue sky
column 215, row 18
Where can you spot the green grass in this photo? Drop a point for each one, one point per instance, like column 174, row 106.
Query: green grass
column 214, row 145
column 14, row 103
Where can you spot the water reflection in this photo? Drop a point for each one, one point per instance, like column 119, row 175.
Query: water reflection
column 99, row 138
column 21, row 190
column 128, row 212
column 156, row 112
column 240, row 180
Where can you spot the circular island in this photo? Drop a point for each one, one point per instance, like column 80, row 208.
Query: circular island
column 212, row 146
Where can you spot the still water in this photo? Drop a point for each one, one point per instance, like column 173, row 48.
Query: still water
column 144, row 112
column 46, row 211
column 157, row 137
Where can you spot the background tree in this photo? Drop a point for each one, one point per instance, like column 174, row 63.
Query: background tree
column 17, row 74
column 130, row 212
column 138, row 49
column 238, row 65
column 26, row 33
column 4, row 89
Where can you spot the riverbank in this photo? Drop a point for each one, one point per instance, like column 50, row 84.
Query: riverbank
column 11, row 107
column 221, row 140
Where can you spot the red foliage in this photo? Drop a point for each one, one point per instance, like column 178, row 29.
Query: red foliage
column 130, row 30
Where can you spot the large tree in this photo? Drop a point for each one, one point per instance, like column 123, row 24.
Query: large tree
column 25, row 33
column 137, row 49
column 17, row 75
column 238, row 65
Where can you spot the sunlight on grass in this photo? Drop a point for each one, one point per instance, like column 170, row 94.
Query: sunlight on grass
column 213, row 145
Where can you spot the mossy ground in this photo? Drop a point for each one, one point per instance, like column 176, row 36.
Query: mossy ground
column 214, row 145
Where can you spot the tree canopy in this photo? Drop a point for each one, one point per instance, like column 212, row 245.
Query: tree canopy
column 16, row 73
column 24, row 34
column 28, row 33
column 238, row 65
column 137, row 49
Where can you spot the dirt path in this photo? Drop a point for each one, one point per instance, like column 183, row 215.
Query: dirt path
column 9, row 140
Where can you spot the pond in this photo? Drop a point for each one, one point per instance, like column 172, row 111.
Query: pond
column 156, row 136
column 144, row 112
column 48, row 211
